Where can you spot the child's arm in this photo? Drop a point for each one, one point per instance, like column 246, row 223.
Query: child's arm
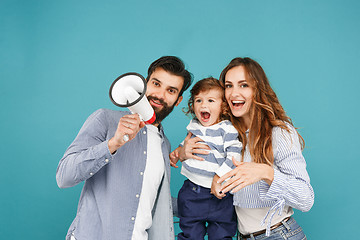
column 232, row 148
column 174, row 157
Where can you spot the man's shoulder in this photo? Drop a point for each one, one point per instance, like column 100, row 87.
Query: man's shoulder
column 108, row 115
column 109, row 112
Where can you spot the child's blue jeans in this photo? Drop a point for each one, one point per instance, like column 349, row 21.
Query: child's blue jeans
column 201, row 212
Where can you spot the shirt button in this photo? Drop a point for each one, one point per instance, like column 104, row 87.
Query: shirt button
column 144, row 152
column 144, row 132
column 141, row 173
column 106, row 160
column 133, row 218
column 91, row 174
column 137, row 195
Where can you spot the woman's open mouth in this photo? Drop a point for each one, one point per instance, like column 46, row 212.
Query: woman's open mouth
column 237, row 103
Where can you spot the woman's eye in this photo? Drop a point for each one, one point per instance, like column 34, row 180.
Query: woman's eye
column 228, row 86
column 244, row 85
column 197, row 100
column 211, row 100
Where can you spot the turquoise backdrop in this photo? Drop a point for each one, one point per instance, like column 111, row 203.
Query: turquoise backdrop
column 59, row 58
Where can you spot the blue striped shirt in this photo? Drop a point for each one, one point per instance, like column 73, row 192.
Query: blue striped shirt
column 109, row 199
column 222, row 138
column 291, row 184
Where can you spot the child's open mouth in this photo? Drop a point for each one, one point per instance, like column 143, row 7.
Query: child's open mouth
column 205, row 116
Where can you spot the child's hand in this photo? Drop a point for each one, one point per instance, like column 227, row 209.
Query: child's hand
column 216, row 187
column 174, row 157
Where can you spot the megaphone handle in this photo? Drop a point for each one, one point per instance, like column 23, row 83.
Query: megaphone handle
column 126, row 138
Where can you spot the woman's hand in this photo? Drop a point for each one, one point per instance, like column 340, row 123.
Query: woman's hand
column 191, row 146
column 216, row 188
column 246, row 173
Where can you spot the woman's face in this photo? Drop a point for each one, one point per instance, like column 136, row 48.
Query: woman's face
column 238, row 93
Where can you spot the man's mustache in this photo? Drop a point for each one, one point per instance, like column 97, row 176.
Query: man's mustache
column 161, row 101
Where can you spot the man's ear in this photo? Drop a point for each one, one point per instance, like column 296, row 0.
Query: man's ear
column 179, row 101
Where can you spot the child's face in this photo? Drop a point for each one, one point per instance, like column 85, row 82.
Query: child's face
column 207, row 106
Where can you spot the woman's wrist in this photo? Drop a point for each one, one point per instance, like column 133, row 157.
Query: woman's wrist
column 181, row 153
column 268, row 174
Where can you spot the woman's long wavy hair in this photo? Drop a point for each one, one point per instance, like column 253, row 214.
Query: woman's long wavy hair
column 266, row 112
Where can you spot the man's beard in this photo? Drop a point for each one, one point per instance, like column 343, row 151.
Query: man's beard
column 162, row 113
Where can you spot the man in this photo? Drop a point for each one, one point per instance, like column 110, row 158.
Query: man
column 126, row 195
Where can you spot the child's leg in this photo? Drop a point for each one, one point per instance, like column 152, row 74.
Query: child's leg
column 222, row 222
column 193, row 210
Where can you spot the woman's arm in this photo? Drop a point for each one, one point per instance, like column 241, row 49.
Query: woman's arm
column 287, row 181
column 246, row 173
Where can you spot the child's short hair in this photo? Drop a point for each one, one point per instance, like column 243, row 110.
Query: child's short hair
column 205, row 85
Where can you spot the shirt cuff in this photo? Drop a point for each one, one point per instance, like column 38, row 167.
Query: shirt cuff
column 276, row 189
column 102, row 154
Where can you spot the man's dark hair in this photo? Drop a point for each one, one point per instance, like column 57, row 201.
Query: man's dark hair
column 173, row 65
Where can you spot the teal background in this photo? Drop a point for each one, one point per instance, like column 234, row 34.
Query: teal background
column 59, row 58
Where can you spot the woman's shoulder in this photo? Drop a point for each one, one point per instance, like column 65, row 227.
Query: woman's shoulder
column 285, row 133
column 287, row 128
column 285, row 137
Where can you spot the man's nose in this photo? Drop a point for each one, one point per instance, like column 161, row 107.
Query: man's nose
column 160, row 94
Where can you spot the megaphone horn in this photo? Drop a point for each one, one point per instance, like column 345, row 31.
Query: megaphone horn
column 128, row 90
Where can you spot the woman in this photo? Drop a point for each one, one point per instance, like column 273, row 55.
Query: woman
column 271, row 178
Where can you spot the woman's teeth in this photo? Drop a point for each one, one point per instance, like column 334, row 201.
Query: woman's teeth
column 237, row 103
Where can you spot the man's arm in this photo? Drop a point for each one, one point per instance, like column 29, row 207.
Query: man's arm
column 90, row 151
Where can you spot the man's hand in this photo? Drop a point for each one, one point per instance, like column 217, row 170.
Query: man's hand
column 128, row 125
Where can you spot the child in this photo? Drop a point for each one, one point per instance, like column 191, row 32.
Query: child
column 196, row 205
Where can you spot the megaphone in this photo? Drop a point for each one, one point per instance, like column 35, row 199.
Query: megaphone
column 129, row 90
